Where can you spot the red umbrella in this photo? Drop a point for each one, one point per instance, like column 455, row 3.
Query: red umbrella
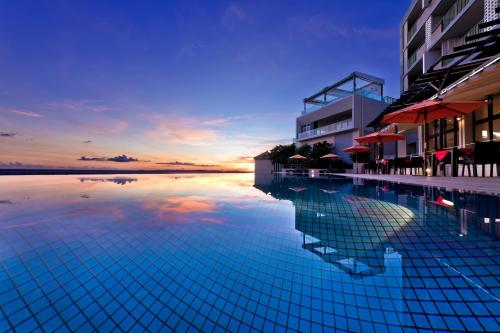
column 356, row 149
column 429, row 110
column 443, row 202
column 378, row 138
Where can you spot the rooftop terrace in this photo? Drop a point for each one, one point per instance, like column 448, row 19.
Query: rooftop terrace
column 355, row 83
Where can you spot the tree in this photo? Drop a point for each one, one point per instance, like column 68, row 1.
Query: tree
column 281, row 153
column 304, row 150
column 320, row 149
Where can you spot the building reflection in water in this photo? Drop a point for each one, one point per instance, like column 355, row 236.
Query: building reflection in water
column 367, row 228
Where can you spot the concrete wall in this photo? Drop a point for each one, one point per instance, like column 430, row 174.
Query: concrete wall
column 337, row 107
column 364, row 111
column 263, row 170
column 342, row 141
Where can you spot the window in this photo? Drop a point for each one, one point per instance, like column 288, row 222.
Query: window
column 496, row 129
column 482, row 113
column 411, row 148
column 482, row 132
column 487, row 121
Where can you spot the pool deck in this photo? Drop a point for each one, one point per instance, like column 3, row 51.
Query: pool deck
column 486, row 185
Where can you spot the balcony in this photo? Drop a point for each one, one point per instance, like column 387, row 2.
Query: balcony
column 356, row 83
column 453, row 12
column 414, row 56
column 458, row 17
column 325, row 130
column 411, row 31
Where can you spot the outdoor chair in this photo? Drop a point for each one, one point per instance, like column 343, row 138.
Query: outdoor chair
column 487, row 153
column 370, row 167
column 402, row 164
column 389, row 164
column 441, row 163
column 466, row 158
column 416, row 163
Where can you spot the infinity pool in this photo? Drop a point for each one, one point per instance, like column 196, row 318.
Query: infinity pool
column 229, row 253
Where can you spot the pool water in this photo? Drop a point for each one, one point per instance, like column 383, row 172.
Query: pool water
column 227, row 252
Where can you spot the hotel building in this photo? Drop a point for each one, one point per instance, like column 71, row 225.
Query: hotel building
column 450, row 50
column 341, row 112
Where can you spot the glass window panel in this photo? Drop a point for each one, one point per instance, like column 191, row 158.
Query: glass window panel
column 496, row 129
column 431, row 128
column 482, row 113
column 450, row 139
column 450, row 124
column 496, row 106
column 482, row 132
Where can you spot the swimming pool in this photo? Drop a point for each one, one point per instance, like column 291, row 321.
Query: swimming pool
column 225, row 252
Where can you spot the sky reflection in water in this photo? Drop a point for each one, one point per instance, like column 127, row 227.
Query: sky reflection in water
column 222, row 251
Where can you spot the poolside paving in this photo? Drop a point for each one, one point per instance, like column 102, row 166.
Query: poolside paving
column 487, row 185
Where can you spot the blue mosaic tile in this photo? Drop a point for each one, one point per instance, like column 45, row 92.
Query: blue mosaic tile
column 218, row 253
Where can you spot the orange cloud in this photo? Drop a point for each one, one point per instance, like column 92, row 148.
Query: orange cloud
column 178, row 209
column 181, row 131
column 109, row 210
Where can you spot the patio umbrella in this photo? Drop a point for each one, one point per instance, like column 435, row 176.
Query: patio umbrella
column 378, row 138
column 330, row 156
column 297, row 157
column 355, row 150
column 430, row 110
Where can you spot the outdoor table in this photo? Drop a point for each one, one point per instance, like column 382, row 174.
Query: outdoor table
column 384, row 164
column 439, row 155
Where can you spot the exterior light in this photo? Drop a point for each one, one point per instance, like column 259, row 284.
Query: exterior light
column 486, row 220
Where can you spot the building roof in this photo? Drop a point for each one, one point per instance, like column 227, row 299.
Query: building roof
column 263, row 156
column 335, row 88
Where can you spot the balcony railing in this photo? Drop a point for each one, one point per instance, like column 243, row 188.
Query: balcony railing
column 448, row 45
column 453, row 12
column 411, row 31
column 415, row 55
column 329, row 129
column 360, row 92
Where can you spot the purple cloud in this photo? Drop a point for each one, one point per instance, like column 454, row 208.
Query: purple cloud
column 119, row 159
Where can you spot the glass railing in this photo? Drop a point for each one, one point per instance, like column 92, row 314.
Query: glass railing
column 415, row 55
column 367, row 94
column 459, row 42
column 453, row 12
column 312, row 108
column 389, row 99
column 329, row 129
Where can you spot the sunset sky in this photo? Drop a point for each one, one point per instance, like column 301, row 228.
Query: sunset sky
column 171, row 85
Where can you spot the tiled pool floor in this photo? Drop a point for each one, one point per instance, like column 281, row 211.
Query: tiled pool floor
column 220, row 253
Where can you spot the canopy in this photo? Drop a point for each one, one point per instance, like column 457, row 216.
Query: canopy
column 297, row 157
column 380, row 137
column 330, row 156
column 429, row 110
column 357, row 149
